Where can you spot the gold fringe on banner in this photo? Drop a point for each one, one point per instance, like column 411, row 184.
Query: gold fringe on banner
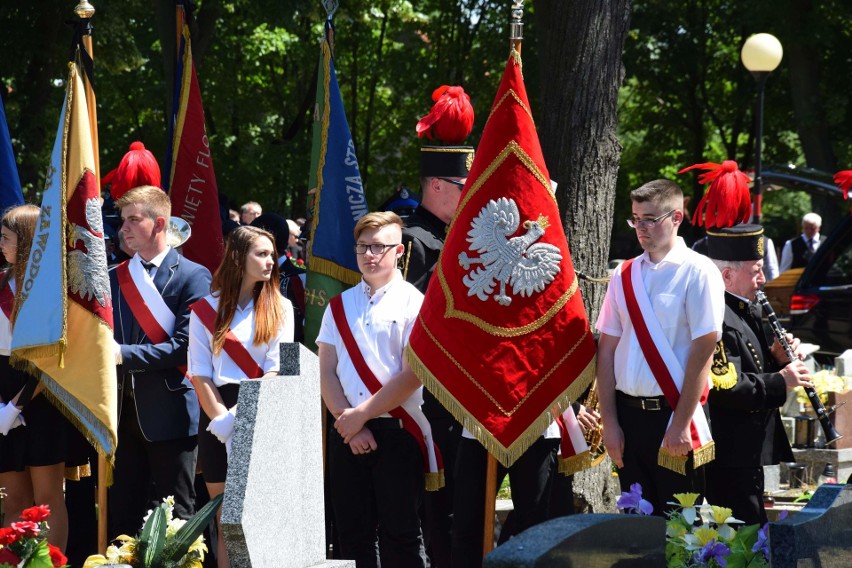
column 580, row 462
column 505, row 455
column 98, row 437
column 334, row 270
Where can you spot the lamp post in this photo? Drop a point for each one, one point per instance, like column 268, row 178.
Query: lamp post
column 761, row 55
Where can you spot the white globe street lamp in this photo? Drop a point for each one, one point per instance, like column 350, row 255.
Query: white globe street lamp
column 761, row 55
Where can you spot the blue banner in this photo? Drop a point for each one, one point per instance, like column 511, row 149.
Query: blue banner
column 10, row 183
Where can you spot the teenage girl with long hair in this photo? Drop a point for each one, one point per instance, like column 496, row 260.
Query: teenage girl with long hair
column 34, row 443
column 245, row 307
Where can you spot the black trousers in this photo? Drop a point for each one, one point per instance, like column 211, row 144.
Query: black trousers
column 530, row 477
column 437, row 514
column 738, row 488
column 146, row 472
column 643, row 436
column 376, row 496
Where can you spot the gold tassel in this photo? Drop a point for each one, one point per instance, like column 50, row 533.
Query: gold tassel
column 676, row 464
column 435, row 480
column 726, row 380
column 704, row 454
column 575, row 464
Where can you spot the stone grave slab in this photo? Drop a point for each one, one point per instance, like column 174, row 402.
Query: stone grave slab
column 273, row 513
column 586, row 541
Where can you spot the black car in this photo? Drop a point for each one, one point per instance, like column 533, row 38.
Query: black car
column 821, row 303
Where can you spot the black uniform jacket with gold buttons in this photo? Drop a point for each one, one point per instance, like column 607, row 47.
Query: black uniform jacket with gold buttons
column 423, row 236
column 746, row 393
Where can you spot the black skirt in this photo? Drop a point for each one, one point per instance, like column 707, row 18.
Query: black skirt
column 44, row 439
column 212, row 456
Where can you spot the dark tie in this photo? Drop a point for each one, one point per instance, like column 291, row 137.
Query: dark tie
column 147, row 265
column 809, row 251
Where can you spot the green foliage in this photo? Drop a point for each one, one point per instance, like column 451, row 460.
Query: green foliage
column 686, row 97
column 153, row 537
column 187, row 534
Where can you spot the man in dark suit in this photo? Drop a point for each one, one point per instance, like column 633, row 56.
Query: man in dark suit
column 750, row 381
column 798, row 251
column 158, row 409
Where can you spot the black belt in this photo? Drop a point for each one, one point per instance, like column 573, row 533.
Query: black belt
column 645, row 403
column 384, row 424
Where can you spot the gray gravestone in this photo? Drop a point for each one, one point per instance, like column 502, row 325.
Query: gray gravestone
column 273, row 514
column 843, row 364
column 586, row 541
column 818, row 536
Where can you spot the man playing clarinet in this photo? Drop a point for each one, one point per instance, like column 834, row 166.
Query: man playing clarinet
column 750, row 380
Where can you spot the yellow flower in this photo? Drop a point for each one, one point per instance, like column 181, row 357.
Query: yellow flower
column 686, row 499
column 721, row 515
column 704, row 535
column 95, row 560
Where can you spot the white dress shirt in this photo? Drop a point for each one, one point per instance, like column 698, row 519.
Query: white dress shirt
column 220, row 367
column 688, row 296
column 381, row 325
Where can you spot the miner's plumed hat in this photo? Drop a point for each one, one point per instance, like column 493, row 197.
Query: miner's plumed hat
column 740, row 242
column 137, row 167
column 449, row 121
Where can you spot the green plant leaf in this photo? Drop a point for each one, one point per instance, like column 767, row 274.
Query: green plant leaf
column 187, row 534
column 40, row 557
column 153, row 537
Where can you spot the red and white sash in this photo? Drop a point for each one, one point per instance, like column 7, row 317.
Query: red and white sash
column 7, row 299
column 413, row 419
column 233, row 347
column 574, row 452
column 148, row 307
column 666, row 368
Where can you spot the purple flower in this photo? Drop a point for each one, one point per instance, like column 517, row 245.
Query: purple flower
column 762, row 544
column 632, row 502
column 713, row 551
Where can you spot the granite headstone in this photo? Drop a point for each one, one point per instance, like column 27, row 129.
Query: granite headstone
column 586, row 541
column 273, row 512
column 818, row 536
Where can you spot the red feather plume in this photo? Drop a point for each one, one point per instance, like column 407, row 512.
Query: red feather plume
column 451, row 117
column 727, row 201
column 843, row 179
column 137, row 167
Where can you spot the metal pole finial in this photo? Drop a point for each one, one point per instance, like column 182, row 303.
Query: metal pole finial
column 84, row 10
column 516, row 24
column 330, row 7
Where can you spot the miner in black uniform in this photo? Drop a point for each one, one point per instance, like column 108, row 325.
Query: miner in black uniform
column 750, row 380
column 443, row 171
column 444, row 165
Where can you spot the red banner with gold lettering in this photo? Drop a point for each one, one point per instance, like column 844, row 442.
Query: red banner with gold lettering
column 503, row 337
column 192, row 181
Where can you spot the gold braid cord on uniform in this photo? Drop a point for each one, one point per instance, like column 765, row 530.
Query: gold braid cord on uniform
column 723, row 372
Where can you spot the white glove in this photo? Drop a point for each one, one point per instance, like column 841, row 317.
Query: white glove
column 117, row 350
column 10, row 417
column 222, row 426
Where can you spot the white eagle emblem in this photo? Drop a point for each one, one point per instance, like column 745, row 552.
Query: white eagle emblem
column 528, row 267
column 87, row 271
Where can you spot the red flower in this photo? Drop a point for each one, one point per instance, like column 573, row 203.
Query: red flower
column 7, row 536
column 9, row 557
column 56, row 556
column 36, row 514
column 27, row 529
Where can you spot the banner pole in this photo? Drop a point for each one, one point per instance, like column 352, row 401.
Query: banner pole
column 490, row 505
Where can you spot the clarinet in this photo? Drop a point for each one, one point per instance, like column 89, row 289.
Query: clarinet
column 831, row 434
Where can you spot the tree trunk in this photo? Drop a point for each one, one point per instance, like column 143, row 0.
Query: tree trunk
column 581, row 71
column 803, row 58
